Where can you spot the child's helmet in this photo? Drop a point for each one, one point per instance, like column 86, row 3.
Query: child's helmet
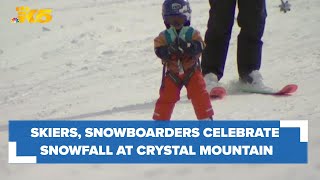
column 179, row 8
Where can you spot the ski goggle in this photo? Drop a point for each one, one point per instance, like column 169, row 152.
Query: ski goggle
column 175, row 20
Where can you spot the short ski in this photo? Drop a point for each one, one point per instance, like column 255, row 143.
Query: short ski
column 218, row 93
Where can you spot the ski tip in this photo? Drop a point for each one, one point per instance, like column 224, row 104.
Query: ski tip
column 288, row 89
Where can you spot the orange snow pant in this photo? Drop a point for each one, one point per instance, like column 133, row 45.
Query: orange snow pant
column 170, row 94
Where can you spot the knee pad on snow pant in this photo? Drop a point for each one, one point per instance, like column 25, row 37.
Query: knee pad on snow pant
column 199, row 97
column 169, row 95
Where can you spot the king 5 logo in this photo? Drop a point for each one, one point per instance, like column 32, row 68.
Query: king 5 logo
column 33, row 15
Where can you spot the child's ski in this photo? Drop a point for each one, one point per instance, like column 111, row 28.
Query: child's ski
column 218, row 92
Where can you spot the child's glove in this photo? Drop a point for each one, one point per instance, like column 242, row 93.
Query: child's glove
column 192, row 48
column 163, row 53
column 175, row 49
column 168, row 52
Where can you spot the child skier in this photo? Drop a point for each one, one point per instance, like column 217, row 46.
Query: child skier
column 179, row 47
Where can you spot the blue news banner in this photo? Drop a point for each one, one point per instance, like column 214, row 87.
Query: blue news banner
column 279, row 141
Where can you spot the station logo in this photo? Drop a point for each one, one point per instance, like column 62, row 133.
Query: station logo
column 26, row 14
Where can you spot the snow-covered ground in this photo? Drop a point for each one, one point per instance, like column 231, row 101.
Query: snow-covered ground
column 95, row 60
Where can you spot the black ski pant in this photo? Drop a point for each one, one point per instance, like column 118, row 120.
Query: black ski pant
column 251, row 20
